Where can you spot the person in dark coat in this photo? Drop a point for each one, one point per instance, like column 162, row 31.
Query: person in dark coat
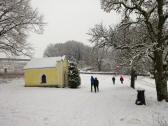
column 121, row 79
column 96, row 84
column 113, row 79
column 92, row 83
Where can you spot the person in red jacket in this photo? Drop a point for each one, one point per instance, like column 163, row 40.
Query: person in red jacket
column 121, row 79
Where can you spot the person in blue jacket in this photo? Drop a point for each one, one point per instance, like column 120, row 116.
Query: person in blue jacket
column 92, row 83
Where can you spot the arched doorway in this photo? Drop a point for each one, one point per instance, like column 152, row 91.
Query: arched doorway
column 43, row 79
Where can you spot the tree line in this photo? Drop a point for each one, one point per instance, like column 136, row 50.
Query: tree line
column 90, row 58
column 85, row 56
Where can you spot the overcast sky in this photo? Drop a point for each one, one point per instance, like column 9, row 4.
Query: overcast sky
column 68, row 20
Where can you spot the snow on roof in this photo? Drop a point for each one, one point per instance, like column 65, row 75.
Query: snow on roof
column 46, row 62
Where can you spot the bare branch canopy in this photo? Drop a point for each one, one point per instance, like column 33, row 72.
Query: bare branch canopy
column 17, row 18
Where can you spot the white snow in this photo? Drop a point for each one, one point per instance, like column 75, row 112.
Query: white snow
column 114, row 105
column 45, row 62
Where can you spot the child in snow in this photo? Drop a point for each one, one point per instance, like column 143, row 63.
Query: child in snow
column 121, row 79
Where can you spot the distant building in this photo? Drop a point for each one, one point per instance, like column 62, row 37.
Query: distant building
column 12, row 66
column 48, row 71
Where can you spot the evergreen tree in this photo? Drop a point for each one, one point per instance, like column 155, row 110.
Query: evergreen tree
column 73, row 76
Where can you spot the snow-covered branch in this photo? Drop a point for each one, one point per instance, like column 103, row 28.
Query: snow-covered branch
column 17, row 17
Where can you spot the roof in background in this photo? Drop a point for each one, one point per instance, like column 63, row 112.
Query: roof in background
column 46, row 62
column 13, row 59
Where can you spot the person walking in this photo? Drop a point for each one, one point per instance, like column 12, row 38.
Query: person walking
column 121, row 79
column 96, row 84
column 92, row 83
column 113, row 79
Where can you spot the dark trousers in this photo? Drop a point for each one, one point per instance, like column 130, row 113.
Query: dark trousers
column 113, row 81
column 97, row 87
column 92, row 85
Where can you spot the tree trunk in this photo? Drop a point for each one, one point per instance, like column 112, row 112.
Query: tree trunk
column 99, row 65
column 132, row 78
column 160, row 78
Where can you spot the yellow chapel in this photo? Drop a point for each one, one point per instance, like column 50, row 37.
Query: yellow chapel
column 46, row 72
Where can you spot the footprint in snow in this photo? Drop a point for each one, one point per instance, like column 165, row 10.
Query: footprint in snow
column 134, row 121
column 45, row 118
column 122, row 119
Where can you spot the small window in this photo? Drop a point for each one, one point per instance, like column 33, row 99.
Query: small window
column 43, row 79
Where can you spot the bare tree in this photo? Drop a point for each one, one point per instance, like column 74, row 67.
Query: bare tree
column 98, row 57
column 54, row 50
column 72, row 49
column 17, row 17
column 151, row 15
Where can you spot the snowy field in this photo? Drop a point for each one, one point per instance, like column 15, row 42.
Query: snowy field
column 114, row 105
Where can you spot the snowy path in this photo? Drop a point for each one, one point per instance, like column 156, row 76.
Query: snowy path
column 112, row 106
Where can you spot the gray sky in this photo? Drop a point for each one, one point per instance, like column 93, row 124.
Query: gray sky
column 68, row 20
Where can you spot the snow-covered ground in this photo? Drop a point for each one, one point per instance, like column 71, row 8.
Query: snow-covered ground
column 114, row 105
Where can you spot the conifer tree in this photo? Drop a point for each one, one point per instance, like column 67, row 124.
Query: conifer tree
column 73, row 76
